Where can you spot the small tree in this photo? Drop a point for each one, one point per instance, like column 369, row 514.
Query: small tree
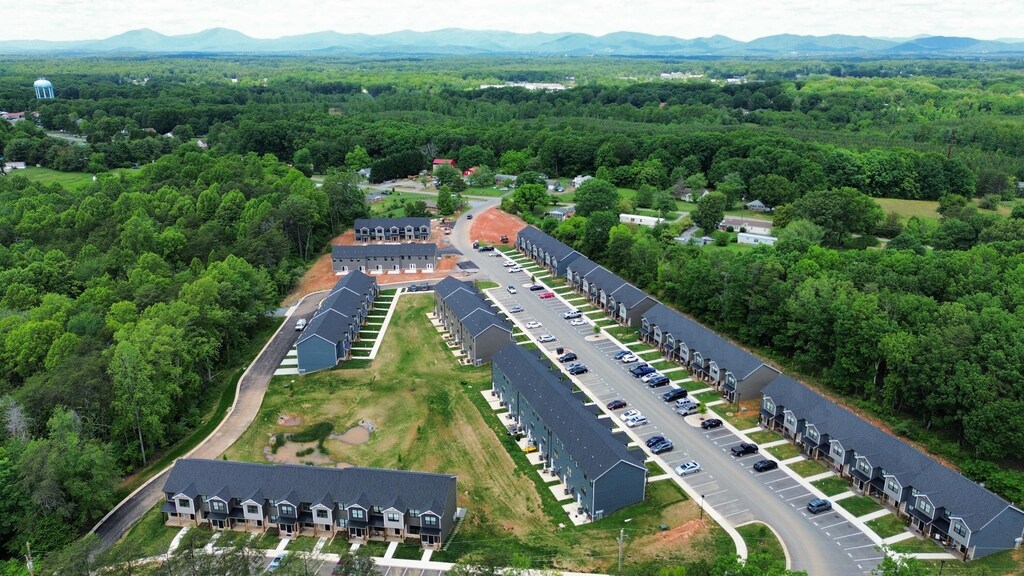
column 710, row 211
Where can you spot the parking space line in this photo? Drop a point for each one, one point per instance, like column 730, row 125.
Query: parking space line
column 777, row 480
column 724, row 503
column 858, row 547
column 805, row 494
column 831, row 525
column 858, row 533
column 702, row 484
column 713, row 493
column 735, row 513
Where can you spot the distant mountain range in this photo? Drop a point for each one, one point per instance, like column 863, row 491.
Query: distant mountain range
column 458, row 41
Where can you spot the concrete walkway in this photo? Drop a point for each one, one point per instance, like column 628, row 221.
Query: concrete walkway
column 390, row 552
column 873, row 515
column 898, row 538
column 177, row 539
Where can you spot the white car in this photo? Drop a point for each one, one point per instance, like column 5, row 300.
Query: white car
column 629, row 358
column 571, row 314
column 636, row 421
column 648, row 377
column 687, row 468
column 508, row 263
column 516, row 269
column 533, row 324
column 629, row 414
column 545, row 338
column 512, row 289
column 577, row 322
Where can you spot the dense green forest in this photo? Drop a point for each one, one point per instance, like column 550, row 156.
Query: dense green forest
column 120, row 301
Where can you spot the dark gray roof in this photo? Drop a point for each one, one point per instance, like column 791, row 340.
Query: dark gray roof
column 450, row 284
column 589, row 441
column 561, row 251
column 355, row 281
column 463, row 302
column 389, row 222
column 630, row 295
column 582, row 265
column 711, row 346
column 364, row 486
column 469, row 306
column 604, row 279
column 329, row 325
column 946, row 488
column 378, row 250
column 480, row 320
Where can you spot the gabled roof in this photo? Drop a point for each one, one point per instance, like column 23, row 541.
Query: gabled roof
column 946, row 488
column 329, row 325
column 312, row 484
column 549, row 245
column 386, row 223
column 449, row 285
column 378, row 250
column 629, row 295
column 582, row 265
column 479, row 320
column 589, row 442
column 356, row 282
column 603, row 279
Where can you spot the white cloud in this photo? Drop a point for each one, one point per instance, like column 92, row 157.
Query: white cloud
column 739, row 19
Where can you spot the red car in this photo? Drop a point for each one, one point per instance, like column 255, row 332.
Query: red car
column 546, row 295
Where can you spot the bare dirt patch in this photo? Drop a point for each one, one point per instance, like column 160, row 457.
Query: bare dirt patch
column 289, row 420
column 354, row 435
column 490, row 225
column 679, row 534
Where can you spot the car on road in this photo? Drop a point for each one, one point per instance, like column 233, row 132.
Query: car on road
column 577, row 370
column 648, row 377
column 618, row 355
column 533, row 324
column 640, row 370
column 567, row 357
column 300, row 325
column 674, row 394
column 276, row 563
column 710, row 423
column 819, row 505
column 658, row 381
column 628, row 414
column 571, row 314
column 546, row 295
column 469, row 216
column 536, row 287
column 509, row 263
column 662, row 447
column 617, row 404
column 636, row 421
column 628, row 357
column 512, row 289
column 497, row 255
column 577, row 322
column 687, row 468
column 486, row 249
column 765, row 465
column 744, row 448
column 516, row 268
column 515, row 309
column 654, row 440
column 545, row 338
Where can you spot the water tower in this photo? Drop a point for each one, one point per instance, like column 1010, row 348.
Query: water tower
column 44, row 89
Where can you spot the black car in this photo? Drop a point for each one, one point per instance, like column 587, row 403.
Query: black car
column 486, row 249
column 674, row 394
column 744, row 448
column 620, row 354
column 765, row 465
column 640, row 370
column 536, row 287
column 657, row 382
column 662, row 447
column 469, row 216
column 577, row 370
column 567, row 357
column 710, row 423
column 616, row 404
column 654, row 440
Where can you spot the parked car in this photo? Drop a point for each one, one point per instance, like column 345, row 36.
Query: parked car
column 658, row 381
column 744, row 448
column 546, row 338
column 567, row 357
column 617, row 404
column 687, row 410
column 662, row 447
column 818, row 505
column 654, row 440
column 546, row 295
column 509, row 263
column 648, row 377
column 628, row 414
column 640, row 370
column 515, row 309
column 469, row 216
column 276, row 562
column 636, row 421
column 577, row 322
column 486, row 249
column 300, row 325
column 711, row 423
column 512, row 289
column 536, row 287
column 516, row 268
column 504, row 239
column 577, row 370
column 674, row 394
column 687, row 468
column 628, row 357
column 765, row 465
column 574, row 313
column 533, row 324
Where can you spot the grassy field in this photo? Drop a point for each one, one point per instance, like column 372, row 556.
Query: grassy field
column 860, row 505
column 784, row 451
column 489, row 192
column 832, row 486
column 887, row 526
column 742, row 419
column 910, row 208
column 1009, row 563
column 764, row 436
column 761, row 540
column 807, row 468
column 69, row 180
column 709, row 396
column 430, row 415
column 148, row 537
column 923, row 545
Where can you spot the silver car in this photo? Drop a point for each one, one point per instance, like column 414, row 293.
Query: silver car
column 687, row 468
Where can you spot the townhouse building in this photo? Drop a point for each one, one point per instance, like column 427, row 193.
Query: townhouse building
column 392, row 229
column 335, row 325
column 938, row 502
column 360, row 504
column 545, row 250
column 594, row 465
column 385, row 258
column 470, row 319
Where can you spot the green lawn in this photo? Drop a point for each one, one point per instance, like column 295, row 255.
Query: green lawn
column 338, row 545
column 887, row 526
column 485, row 284
column 377, row 548
column 921, row 545
column 408, row 551
column 303, row 544
column 808, row 468
column 1008, row 563
column 692, row 385
column 709, row 396
column 832, row 486
column 860, row 505
column 489, row 192
column 148, row 537
column 910, row 208
column 269, row 540
column 761, row 540
column 742, row 420
column 784, row 451
column 623, row 334
column 69, row 180
column 764, row 436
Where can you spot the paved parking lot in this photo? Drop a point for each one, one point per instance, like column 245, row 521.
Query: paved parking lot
column 399, row 571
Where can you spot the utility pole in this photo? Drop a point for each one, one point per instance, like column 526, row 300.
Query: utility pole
column 622, row 538
column 28, row 559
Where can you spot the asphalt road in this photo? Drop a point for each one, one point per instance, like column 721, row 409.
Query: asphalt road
column 824, row 544
column 250, row 395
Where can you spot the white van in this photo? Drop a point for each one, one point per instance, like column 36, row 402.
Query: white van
column 300, row 325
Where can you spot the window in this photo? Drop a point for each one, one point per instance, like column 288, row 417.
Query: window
column 393, row 517
column 184, row 503
column 414, row 512
column 357, row 514
column 812, row 434
column 960, row 528
column 218, row 506
column 892, row 486
column 837, row 450
column 790, row 419
column 925, row 506
column 863, row 466
column 273, row 502
column 252, row 509
column 769, row 406
column 321, row 513
column 286, row 510
column 429, row 520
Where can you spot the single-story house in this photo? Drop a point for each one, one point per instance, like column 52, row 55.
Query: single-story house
column 562, row 213
column 750, row 225
column 580, row 181
column 757, row 206
column 385, row 258
column 650, row 221
column 748, row 238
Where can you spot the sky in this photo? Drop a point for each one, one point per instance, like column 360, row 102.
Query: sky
column 738, row 19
